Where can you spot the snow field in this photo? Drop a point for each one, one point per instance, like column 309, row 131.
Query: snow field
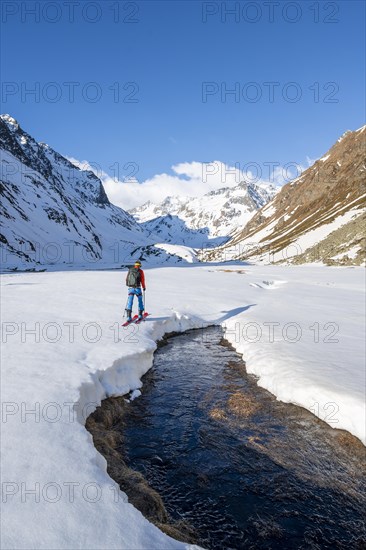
column 64, row 351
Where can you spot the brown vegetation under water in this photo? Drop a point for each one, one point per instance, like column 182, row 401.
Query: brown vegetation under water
column 105, row 425
column 313, row 455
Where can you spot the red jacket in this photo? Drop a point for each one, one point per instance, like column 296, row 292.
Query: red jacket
column 142, row 276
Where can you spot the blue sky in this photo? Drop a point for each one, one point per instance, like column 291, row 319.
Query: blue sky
column 163, row 53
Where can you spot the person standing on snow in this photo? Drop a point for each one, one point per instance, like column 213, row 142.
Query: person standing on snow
column 135, row 280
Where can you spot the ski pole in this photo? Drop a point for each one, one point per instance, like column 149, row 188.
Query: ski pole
column 144, row 301
column 124, row 313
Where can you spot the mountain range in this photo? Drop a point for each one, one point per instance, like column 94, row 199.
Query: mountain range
column 55, row 214
column 318, row 217
column 217, row 213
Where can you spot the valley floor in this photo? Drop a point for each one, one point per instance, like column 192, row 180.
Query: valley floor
column 300, row 330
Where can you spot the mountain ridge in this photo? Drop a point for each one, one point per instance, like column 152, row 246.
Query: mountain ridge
column 317, row 217
column 55, row 214
column 47, row 201
column 220, row 211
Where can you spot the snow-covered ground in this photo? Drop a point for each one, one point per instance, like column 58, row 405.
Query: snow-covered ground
column 300, row 329
column 185, row 252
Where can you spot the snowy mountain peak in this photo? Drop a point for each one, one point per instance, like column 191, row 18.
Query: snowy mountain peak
column 217, row 213
column 10, row 122
column 49, row 203
column 41, row 158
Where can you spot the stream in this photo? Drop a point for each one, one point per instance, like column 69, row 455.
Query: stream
column 243, row 469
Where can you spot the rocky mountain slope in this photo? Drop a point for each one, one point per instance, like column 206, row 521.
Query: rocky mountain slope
column 54, row 214
column 318, row 217
column 217, row 213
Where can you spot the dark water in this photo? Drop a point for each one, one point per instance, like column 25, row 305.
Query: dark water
column 244, row 470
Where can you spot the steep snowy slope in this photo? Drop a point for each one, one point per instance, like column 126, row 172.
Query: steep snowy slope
column 172, row 229
column 54, row 214
column 219, row 212
column 318, row 217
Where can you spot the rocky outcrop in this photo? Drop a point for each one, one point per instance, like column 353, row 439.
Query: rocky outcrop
column 55, row 214
column 318, row 217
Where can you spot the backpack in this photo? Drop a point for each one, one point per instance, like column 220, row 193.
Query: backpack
column 133, row 277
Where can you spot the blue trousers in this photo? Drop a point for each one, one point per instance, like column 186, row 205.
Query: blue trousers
column 132, row 292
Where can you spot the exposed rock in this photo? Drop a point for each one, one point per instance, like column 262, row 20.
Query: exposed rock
column 54, row 213
column 330, row 196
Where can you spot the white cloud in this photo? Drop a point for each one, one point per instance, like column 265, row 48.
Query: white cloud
column 189, row 179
